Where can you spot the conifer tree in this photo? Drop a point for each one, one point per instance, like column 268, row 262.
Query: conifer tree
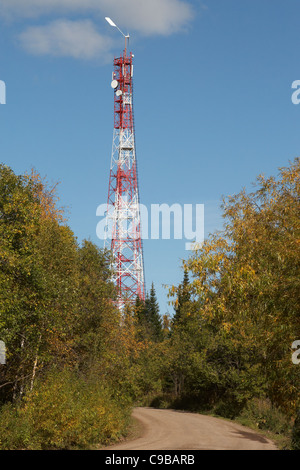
column 153, row 316
column 183, row 298
column 148, row 316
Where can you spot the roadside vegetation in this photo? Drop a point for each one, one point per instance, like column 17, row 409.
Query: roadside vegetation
column 237, row 313
column 75, row 367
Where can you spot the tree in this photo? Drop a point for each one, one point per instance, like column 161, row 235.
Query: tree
column 183, row 297
column 37, row 278
column 247, row 287
column 153, row 316
column 95, row 314
column 148, row 318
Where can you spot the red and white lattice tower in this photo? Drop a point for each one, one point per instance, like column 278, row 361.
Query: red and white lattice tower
column 123, row 210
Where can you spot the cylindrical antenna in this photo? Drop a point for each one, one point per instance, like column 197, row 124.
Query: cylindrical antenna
column 126, row 43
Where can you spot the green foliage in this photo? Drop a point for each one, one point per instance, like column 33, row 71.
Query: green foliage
column 236, row 319
column 153, row 316
column 296, row 433
column 182, row 300
column 247, row 291
column 62, row 412
column 37, row 279
column 94, row 316
column 265, row 416
column 226, row 349
column 56, row 308
column 148, row 317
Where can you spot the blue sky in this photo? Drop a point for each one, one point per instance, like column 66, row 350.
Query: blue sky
column 212, row 101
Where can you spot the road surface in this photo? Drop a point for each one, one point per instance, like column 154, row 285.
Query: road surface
column 177, row 430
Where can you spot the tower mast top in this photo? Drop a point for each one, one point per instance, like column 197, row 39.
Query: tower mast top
column 126, row 36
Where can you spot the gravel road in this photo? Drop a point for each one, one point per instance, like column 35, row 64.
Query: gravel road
column 177, row 430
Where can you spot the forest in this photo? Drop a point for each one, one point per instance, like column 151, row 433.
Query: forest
column 75, row 366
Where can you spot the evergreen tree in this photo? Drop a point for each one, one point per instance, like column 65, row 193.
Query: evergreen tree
column 183, row 297
column 147, row 316
column 153, row 316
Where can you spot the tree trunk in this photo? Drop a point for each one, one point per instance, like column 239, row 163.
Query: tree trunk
column 35, row 363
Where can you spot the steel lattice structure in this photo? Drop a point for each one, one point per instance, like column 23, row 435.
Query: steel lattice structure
column 123, row 210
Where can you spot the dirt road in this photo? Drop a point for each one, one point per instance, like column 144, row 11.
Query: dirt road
column 176, row 430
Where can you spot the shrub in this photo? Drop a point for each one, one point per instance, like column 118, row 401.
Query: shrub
column 266, row 416
column 63, row 411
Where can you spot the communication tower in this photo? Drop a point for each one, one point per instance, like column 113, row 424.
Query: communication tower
column 123, row 224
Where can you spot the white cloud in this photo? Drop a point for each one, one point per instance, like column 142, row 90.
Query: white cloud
column 148, row 17
column 34, row 8
column 65, row 38
column 78, row 37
